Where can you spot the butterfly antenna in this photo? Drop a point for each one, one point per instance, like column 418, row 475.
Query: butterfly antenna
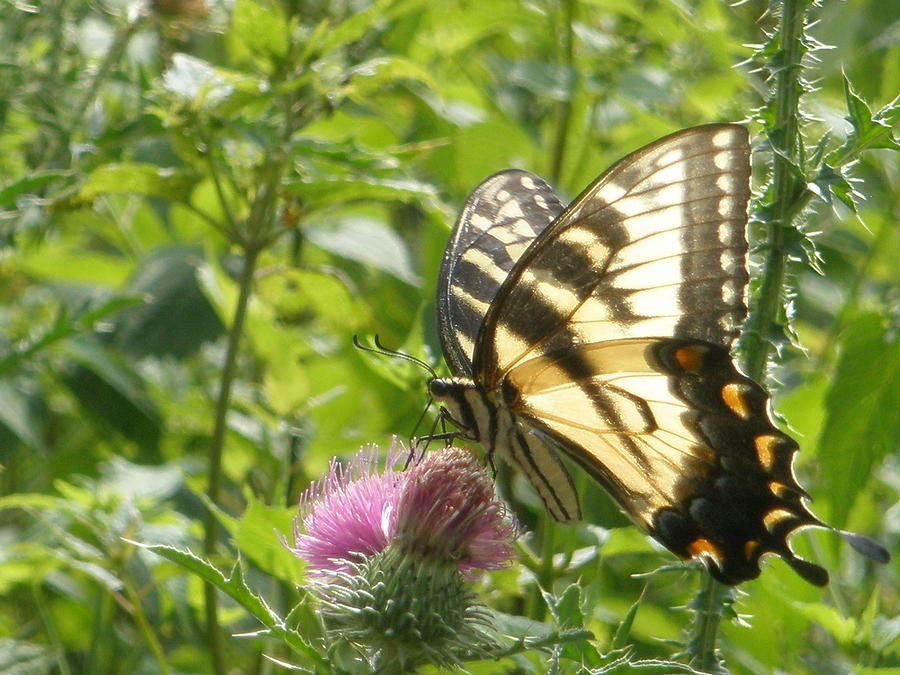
column 381, row 350
column 393, row 353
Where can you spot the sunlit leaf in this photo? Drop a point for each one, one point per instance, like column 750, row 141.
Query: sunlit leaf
column 860, row 429
column 147, row 180
column 258, row 28
column 369, row 242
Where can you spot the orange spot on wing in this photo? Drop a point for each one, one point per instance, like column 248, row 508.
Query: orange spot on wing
column 689, row 359
column 751, row 546
column 765, row 450
column 778, row 489
column 733, row 397
column 702, row 545
column 776, row 516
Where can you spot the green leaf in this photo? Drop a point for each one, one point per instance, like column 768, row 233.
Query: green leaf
column 235, row 587
column 63, row 328
column 339, row 190
column 18, row 656
column 367, row 78
column 861, row 425
column 148, row 180
column 359, row 23
column 16, row 414
column 258, row 28
column 258, row 535
column 28, row 184
column 138, row 482
column 167, row 279
column 108, row 388
column 842, row 628
column 205, row 86
column 369, row 242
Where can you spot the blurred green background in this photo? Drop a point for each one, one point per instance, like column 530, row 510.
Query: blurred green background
column 148, row 151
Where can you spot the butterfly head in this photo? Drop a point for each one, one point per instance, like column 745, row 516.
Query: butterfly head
column 462, row 404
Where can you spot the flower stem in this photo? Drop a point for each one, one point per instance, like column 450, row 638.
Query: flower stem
column 788, row 200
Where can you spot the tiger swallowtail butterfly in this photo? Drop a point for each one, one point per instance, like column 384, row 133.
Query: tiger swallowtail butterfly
column 603, row 330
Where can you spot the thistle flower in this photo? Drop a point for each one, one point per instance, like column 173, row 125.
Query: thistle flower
column 391, row 555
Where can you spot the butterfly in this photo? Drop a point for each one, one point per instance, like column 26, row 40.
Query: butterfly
column 602, row 331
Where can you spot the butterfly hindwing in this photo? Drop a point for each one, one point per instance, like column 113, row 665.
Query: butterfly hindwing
column 680, row 439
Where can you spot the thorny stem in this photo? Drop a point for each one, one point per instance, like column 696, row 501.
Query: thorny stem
column 785, row 140
column 787, row 202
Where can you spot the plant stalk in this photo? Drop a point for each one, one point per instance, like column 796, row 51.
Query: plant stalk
column 755, row 341
column 564, row 108
column 214, row 632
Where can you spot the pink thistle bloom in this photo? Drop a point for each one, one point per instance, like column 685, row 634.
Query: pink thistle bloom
column 391, row 552
column 448, row 511
column 348, row 514
column 443, row 508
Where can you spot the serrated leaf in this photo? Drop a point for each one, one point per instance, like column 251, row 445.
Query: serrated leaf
column 235, row 587
column 649, row 666
column 623, row 630
column 568, row 608
column 868, row 131
column 861, row 425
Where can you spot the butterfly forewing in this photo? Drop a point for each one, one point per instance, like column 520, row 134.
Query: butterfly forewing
column 654, row 247
column 501, row 217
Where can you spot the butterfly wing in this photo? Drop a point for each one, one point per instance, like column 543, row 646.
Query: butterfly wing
column 500, row 219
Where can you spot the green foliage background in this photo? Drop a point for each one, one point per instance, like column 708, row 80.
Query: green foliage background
column 157, row 160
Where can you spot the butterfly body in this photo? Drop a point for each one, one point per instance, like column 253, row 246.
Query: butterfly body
column 602, row 331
